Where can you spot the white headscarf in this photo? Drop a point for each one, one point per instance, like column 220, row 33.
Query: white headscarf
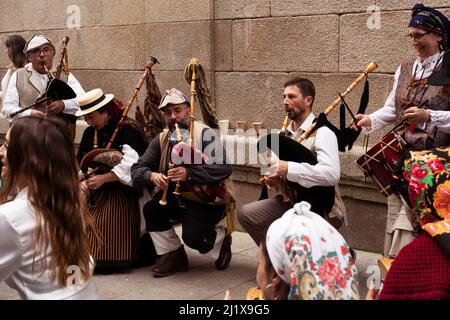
column 309, row 254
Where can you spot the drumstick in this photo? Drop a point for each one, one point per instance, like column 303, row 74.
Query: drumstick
column 349, row 110
column 406, row 119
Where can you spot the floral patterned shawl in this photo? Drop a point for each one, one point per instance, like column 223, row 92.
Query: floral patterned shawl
column 427, row 173
column 310, row 255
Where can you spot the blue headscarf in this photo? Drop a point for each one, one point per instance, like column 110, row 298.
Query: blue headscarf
column 432, row 20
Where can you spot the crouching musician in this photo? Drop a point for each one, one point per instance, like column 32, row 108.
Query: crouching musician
column 199, row 217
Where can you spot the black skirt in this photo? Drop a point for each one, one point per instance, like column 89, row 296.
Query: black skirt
column 114, row 211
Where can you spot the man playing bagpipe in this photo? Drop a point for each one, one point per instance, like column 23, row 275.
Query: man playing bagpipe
column 31, row 84
column 201, row 201
column 256, row 217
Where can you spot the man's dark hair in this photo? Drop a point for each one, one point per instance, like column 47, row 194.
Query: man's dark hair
column 305, row 86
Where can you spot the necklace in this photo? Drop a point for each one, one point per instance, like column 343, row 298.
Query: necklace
column 95, row 140
column 417, row 88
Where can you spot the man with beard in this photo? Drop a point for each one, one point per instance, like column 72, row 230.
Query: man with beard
column 299, row 94
column 198, row 219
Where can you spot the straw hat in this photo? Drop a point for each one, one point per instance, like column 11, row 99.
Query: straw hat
column 92, row 100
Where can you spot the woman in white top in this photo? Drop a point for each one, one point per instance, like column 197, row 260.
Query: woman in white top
column 14, row 49
column 44, row 250
column 429, row 33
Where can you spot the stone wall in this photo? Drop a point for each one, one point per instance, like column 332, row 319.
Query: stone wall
column 248, row 48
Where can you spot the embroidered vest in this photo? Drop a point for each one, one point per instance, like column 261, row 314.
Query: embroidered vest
column 438, row 99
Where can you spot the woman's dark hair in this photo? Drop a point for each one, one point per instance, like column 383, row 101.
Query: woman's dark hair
column 282, row 289
column 16, row 43
column 268, row 267
column 114, row 108
column 41, row 157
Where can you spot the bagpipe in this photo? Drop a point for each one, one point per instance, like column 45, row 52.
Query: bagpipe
column 105, row 159
column 56, row 89
column 321, row 198
column 211, row 193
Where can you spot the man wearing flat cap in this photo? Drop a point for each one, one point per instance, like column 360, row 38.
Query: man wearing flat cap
column 199, row 218
column 30, row 82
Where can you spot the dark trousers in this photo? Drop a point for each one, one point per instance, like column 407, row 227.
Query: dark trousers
column 256, row 217
column 198, row 220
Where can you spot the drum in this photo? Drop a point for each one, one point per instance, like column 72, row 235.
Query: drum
column 382, row 161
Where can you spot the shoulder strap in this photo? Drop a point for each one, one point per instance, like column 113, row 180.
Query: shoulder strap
column 164, row 147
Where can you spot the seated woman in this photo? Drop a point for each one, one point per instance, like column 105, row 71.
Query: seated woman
column 112, row 200
column 304, row 258
column 422, row 268
column 44, row 250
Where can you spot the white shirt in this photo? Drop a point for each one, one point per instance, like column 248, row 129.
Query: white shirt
column 17, row 227
column 11, row 100
column 327, row 171
column 386, row 115
column 5, row 82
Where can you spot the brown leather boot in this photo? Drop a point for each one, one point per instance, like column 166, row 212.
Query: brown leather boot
column 170, row 263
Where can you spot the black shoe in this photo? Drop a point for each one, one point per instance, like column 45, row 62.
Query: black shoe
column 103, row 270
column 353, row 254
column 225, row 254
column 170, row 263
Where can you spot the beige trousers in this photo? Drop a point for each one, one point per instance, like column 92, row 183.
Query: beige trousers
column 399, row 231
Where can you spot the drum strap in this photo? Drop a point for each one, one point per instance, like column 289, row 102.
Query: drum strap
column 366, row 147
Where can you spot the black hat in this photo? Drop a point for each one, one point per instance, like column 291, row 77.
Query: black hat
column 442, row 77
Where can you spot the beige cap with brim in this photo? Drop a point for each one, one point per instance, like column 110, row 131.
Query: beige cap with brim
column 92, row 100
column 36, row 41
column 173, row 96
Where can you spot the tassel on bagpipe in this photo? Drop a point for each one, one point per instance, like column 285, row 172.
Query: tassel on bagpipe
column 199, row 89
column 151, row 119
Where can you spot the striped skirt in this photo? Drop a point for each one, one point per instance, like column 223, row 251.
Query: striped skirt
column 114, row 211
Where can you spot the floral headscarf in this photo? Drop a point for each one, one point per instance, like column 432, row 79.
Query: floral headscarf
column 427, row 173
column 310, row 255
